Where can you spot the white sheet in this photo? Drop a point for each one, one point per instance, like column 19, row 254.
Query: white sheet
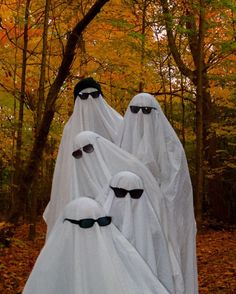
column 90, row 173
column 96, row 260
column 90, row 114
column 152, row 139
column 137, row 221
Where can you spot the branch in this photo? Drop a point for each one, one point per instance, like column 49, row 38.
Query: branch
column 192, row 36
column 175, row 93
column 68, row 57
column 173, row 48
column 30, row 172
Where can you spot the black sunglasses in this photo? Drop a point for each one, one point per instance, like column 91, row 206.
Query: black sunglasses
column 89, row 222
column 85, row 96
column 145, row 109
column 87, row 149
column 121, row 193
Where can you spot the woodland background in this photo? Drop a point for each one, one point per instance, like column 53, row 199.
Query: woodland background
column 181, row 51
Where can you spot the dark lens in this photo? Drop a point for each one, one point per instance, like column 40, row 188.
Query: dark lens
column 83, row 96
column 119, row 192
column 88, row 148
column 86, row 223
column 77, row 154
column 104, row 221
column 134, row 109
column 95, row 94
column 136, row 193
column 146, row 110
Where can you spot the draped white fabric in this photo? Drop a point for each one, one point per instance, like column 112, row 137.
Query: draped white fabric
column 95, row 260
column 93, row 170
column 137, row 221
column 90, row 114
column 152, row 139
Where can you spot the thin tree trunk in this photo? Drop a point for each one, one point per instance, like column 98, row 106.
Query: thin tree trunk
column 18, row 164
column 144, row 8
column 183, row 111
column 32, row 200
column 170, row 117
column 199, row 119
column 162, row 73
column 41, row 91
column 30, row 172
column 14, row 109
column 200, row 80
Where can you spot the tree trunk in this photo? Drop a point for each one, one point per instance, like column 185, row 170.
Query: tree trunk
column 30, row 172
column 200, row 80
column 143, row 29
column 170, row 116
column 200, row 116
column 161, row 71
column 32, row 200
column 14, row 130
column 16, row 203
column 183, row 111
column 41, row 92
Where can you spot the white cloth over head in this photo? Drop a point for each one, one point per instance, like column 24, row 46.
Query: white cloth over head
column 92, row 260
column 92, row 171
column 151, row 138
column 93, row 114
column 133, row 215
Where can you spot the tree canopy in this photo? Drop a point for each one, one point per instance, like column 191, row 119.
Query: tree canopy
column 180, row 51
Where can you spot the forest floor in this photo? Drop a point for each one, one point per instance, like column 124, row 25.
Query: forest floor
column 216, row 251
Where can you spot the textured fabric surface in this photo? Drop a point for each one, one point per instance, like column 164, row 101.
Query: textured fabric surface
column 137, row 221
column 94, row 170
column 89, row 261
column 90, row 114
column 152, row 139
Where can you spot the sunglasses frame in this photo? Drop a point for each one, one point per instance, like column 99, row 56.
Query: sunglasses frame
column 145, row 109
column 84, row 96
column 87, row 149
column 90, row 222
column 124, row 192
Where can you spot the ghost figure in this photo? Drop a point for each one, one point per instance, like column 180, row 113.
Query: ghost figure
column 147, row 134
column 96, row 160
column 127, row 201
column 91, row 112
column 85, row 253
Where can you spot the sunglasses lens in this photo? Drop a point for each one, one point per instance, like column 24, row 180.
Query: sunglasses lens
column 89, row 222
column 146, row 110
column 119, row 192
column 83, row 96
column 95, row 94
column 88, row 148
column 134, row 109
column 86, row 223
column 104, row 221
column 77, row 154
column 136, row 194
